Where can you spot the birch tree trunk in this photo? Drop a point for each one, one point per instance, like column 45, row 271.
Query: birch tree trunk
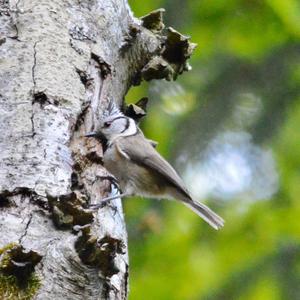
column 61, row 62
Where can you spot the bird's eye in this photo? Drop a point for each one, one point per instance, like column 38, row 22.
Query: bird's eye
column 106, row 124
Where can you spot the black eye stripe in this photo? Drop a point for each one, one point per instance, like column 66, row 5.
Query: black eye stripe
column 126, row 126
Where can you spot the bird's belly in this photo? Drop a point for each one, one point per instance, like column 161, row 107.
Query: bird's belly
column 132, row 178
column 114, row 163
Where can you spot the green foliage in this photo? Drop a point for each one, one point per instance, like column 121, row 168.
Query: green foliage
column 246, row 77
column 7, row 247
column 10, row 288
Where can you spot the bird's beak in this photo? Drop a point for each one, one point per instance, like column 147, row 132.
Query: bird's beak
column 91, row 134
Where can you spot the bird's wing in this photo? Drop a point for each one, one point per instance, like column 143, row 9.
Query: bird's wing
column 140, row 151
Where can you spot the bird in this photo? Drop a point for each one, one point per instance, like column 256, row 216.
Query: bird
column 139, row 168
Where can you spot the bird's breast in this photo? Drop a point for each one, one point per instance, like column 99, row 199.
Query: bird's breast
column 119, row 166
column 133, row 178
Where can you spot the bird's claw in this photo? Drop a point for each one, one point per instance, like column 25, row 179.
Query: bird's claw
column 104, row 204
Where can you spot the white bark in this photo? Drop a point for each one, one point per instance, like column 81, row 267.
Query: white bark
column 61, row 61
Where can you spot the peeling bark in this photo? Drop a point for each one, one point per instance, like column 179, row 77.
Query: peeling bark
column 61, row 63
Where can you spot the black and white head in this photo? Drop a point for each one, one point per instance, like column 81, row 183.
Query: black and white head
column 114, row 124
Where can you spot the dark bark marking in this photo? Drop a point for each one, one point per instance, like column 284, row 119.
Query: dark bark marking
column 41, row 98
column 104, row 67
column 26, row 229
column 34, row 65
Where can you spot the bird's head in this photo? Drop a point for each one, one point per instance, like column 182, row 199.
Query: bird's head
column 113, row 124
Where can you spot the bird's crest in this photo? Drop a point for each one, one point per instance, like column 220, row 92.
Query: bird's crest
column 112, row 111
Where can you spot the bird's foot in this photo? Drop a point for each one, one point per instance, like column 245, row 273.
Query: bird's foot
column 106, row 201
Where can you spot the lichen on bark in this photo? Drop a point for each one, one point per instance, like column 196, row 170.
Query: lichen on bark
column 17, row 277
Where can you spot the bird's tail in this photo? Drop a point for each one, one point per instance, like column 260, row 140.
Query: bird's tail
column 205, row 213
